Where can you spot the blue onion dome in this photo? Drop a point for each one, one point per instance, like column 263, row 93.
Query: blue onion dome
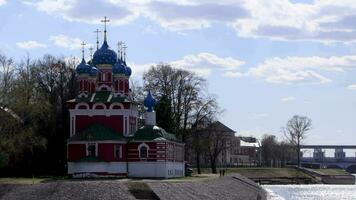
column 93, row 71
column 83, row 68
column 119, row 68
column 104, row 55
column 149, row 102
column 128, row 71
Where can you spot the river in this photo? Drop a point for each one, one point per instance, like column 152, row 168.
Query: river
column 311, row 192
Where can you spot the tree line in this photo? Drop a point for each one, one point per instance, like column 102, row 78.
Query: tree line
column 33, row 114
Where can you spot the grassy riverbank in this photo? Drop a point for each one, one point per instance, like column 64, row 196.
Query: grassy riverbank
column 261, row 172
column 271, row 175
column 331, row 172
column 30, row 180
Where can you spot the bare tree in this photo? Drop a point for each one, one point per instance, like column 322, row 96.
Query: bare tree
column 216, row 143
column 204, row 111
column 296, row 130
column 181, row 87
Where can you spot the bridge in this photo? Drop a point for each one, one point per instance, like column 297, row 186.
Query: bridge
column 339, row 160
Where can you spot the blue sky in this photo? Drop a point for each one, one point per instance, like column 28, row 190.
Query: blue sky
column 264, row 60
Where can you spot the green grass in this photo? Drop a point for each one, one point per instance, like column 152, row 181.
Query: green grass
column 29, row 180
column 268, row 172
column 257, row 172
column 21, row 180
column 331, row 171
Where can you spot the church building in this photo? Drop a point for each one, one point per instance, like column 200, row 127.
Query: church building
column 105, row 139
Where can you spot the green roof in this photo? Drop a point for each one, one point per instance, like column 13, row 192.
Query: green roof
column 103, row 97
column 97, row 132
column 152, row 133
column 90, row 159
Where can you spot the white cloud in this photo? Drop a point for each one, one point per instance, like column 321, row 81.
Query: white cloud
column 290, row 98
column 2, row 2
column 301, row 69
column 351, row 87
column 208, row 60
column 203, row 64
column 324, row 21
column 66, row 42
column 119, row 12
column 30, row 45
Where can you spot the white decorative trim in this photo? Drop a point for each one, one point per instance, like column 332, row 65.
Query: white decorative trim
column 87, row 145
column 139, row 149
column 83, row 94
column 98, row 141
column 107, row 112
column 104, row 86
column 82, row 104
column 99, row 104
column 92, row 97
column 116, row 104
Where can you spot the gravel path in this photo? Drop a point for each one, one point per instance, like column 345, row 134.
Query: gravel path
column 229, row 187
column 67, row 190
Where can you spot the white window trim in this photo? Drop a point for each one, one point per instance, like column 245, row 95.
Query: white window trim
column 96, row 148
column 99, row 104
column 104, row 86
column 120, row 150
column 116, row 104
column 139, row 149
column 82, row 104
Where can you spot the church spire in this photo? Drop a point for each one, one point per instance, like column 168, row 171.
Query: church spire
column 105, row 20
column 83, row 44
column 119, row 50
column 91, row 52
column 124, row 50
column 97, row 38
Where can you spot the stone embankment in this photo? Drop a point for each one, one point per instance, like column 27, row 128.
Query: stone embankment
column 343, row 179
column 228, row 187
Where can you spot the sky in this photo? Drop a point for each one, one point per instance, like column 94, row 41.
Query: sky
column 264, row 60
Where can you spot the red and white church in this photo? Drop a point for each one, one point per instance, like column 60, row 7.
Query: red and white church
column 104, row 137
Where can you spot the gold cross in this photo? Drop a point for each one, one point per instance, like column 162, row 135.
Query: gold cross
column 83, row 44
column 91, row 52
column 97, row 38
column 105, row 20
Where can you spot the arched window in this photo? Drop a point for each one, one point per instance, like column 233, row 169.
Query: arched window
column 143, row 152
column 99, row 106
column 82, row 106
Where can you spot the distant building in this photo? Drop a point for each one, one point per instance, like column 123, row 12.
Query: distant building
column 247, row 153
column 105, row 139
column 235, row 151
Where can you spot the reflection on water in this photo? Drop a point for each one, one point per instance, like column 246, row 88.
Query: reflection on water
column 311, row 192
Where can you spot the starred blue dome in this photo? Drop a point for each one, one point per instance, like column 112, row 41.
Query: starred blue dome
column 104, row 55
column 83, row 68
column 149, row 102
column 119, row 68
column 93, row 71
column 128, row 71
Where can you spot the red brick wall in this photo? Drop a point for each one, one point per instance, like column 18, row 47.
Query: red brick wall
column 106, row 152
column 76, row 152
column 115, row 122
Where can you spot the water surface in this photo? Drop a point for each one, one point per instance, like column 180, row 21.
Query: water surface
column 311, row 192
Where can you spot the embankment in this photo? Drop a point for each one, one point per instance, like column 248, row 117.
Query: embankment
column 330, row 176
